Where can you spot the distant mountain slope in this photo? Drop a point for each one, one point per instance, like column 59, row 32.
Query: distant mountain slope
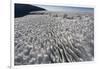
column 24, row 9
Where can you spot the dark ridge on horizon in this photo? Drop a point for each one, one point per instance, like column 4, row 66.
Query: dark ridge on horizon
column 24, row 9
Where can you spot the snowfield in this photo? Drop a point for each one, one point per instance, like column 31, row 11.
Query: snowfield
column 53, row 37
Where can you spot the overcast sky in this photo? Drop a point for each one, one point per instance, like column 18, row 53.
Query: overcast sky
column 57, row 8
column 66, row 8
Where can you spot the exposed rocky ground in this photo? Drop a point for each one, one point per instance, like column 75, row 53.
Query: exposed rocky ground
column 53, row 37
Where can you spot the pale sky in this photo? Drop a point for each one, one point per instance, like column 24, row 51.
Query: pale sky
column 55, row 8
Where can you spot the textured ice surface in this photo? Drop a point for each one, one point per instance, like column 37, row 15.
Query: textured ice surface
column 53, row 37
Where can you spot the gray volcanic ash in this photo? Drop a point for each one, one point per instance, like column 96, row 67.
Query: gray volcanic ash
column 53, row 37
